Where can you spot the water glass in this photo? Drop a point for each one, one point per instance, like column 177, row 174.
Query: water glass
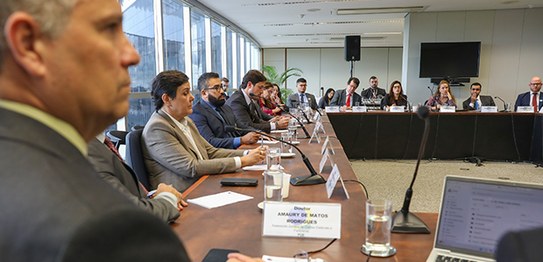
column 378, row 226
column 287, row 137
column 273, row 159
column 293, row 129
column 273, row 185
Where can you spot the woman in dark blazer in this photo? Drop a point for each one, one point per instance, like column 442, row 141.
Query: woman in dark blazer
column 327, row 98
column 395, row 96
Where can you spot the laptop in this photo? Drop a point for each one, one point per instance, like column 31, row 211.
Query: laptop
column 475, row 213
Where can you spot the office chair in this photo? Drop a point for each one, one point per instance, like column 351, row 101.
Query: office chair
column 134, row 157
column 136, row 127
column 117, row 137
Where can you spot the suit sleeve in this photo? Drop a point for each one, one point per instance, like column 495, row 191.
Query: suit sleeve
column 313, row 103
column 335, row 99
column 242, row 113
column 126, row 235
column 202, row 124
column 466, row 106
column 518, row 102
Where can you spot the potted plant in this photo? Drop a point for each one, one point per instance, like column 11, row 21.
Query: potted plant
column 271, row 74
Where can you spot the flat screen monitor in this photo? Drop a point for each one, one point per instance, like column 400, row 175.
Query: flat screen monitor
column 449, row 59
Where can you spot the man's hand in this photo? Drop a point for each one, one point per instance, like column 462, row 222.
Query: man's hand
column 168, row 188
column 282, row 123
column 250, row 138
column 255, row 156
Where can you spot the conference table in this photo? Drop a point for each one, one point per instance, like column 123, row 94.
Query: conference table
column 238, row 226
column 500, row 136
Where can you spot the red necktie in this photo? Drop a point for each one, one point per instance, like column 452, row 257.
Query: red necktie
column 348, row 103
column 534, row 102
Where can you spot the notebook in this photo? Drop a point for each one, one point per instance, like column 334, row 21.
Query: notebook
column 475, row 213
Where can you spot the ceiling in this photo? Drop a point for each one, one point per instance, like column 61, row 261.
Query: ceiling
column 316, row 23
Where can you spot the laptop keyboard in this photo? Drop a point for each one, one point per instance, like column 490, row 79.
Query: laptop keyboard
column 441, row 258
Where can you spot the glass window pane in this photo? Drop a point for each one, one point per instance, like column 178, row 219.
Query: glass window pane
column 138, row 25
column 174, row 42
column 140, row 111
column 229, row 61
column 216, row 64
column 240, row 58
column 197, row 26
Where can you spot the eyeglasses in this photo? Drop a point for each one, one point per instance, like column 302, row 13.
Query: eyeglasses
column 215, row 87
column 535, row 84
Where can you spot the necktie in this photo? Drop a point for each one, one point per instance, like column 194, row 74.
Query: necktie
column 348, row 102
column 302, row 98
column 254, row 113
column 112, row 147
column 534, row 102
column 476, row 104
column 220, row 115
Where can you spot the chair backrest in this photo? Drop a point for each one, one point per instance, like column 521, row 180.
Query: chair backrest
column 117, row 137
column 134, row 157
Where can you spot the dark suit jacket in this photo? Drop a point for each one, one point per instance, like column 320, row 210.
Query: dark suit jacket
column 367, row 93
column 122, row 177
column 246, row 115
column 340, row 97
column 294, row 100
column 485, row 101
column 524, row 100
column 56, row 208
column 522, row 246
column 212, row 126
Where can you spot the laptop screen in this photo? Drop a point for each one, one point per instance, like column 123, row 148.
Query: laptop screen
column 475, row 213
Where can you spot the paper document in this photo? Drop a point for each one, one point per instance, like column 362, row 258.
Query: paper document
column 268, row 142
column 257, row 168
column 220, row 199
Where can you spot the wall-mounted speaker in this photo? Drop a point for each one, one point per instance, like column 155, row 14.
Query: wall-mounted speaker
column 352, row 48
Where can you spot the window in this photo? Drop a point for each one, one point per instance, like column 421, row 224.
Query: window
column 216, row 55
column 198, row 45
column 174, row 43
column 138, row 24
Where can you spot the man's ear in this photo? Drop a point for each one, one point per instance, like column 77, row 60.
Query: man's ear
column 24, row 39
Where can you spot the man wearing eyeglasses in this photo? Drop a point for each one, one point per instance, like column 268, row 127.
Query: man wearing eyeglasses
column 211, row 115
column 533, row 98
column 476, row 101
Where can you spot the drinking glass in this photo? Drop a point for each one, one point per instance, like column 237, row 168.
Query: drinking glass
column 378, row 225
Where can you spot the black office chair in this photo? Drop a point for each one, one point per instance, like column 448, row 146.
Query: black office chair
column 117, row 137
column 134, row 157
column 136, row 127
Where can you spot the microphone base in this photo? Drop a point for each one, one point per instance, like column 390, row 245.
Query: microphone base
column 307, row 180
column 408, row 223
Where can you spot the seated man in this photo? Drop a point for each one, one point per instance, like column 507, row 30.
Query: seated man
column 165, row 203
column 532, row 98
column 247, row 110
column 373, row 91
column 475, row 101
column 211, row 115
column 346, row 98
column 301, row 96
column 174, row 152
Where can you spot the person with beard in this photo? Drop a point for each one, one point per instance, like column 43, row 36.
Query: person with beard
column 174, row 152
column 211, row 115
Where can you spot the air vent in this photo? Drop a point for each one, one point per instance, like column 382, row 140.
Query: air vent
column 377, row 21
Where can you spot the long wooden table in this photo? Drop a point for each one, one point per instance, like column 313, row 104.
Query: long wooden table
column 239, row 226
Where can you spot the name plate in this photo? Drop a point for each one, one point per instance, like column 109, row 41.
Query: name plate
column 302, row 220
column 397, row 109
column 447, row 109
column 331, row 109
column 489, row 109
column 360, row 109
column 525, row 109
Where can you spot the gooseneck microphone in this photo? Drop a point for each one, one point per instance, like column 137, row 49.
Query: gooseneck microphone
column 313, row 179
column 405, row 221
column 503, row 101
column 292, row 102
column 297, row 120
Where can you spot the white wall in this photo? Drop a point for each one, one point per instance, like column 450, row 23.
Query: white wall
column 327, row 66
column 512, row 49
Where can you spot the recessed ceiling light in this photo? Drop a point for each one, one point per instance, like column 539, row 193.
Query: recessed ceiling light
column 313, row 9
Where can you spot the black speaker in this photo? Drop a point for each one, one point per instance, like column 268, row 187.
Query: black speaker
column 352, row 48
